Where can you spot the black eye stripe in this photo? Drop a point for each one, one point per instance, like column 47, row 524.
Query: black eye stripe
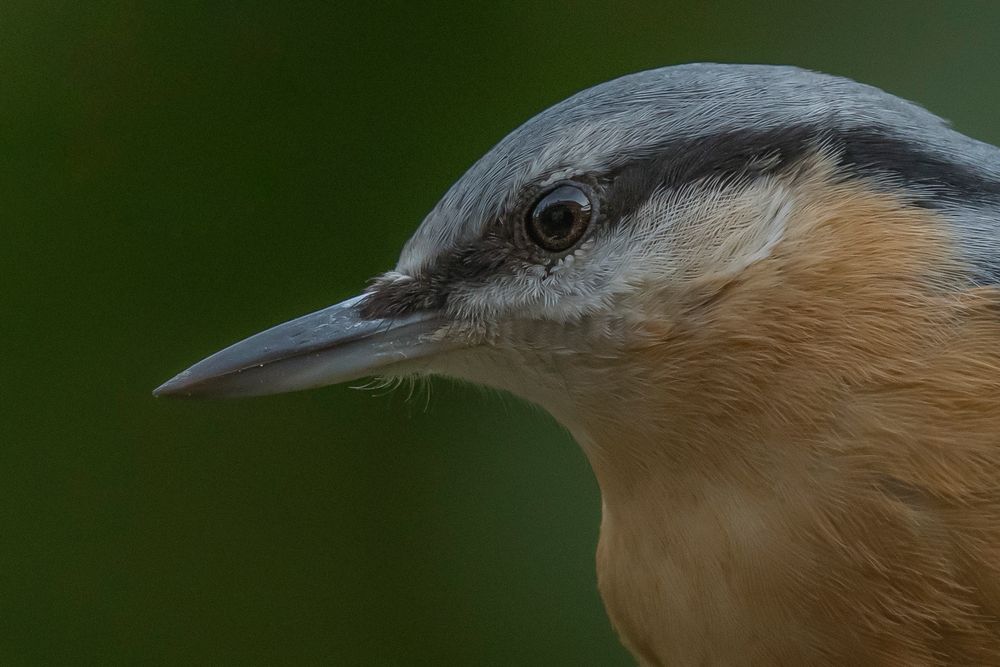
column 932, row 179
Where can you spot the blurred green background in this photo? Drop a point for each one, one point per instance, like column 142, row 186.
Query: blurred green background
column 175, row 176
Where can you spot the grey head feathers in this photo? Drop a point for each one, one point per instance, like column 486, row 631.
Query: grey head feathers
column 662, row 128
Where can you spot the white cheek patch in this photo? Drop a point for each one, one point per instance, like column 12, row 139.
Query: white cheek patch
column 711, row 230
column 751, row 227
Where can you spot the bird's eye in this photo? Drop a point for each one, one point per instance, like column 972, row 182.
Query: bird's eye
column 560, row 218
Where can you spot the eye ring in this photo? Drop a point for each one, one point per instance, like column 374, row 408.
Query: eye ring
column 560, row 217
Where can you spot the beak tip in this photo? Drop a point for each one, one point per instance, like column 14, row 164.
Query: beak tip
column 175, row 386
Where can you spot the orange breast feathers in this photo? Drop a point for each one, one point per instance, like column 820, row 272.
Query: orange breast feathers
column 818, row 439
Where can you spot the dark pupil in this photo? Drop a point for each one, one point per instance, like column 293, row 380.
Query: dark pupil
column 560, row 218
column 557, row 220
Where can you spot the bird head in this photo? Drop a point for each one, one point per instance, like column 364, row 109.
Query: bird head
column 659, row 241
column 760, row 298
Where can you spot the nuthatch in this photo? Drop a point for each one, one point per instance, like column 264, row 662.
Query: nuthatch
column 765, row 302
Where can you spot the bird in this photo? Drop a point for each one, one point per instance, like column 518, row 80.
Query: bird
column 765, row 301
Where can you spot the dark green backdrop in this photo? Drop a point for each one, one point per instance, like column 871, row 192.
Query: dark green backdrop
column 174, row 176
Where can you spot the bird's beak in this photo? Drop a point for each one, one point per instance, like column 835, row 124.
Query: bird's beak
column 332, row 345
